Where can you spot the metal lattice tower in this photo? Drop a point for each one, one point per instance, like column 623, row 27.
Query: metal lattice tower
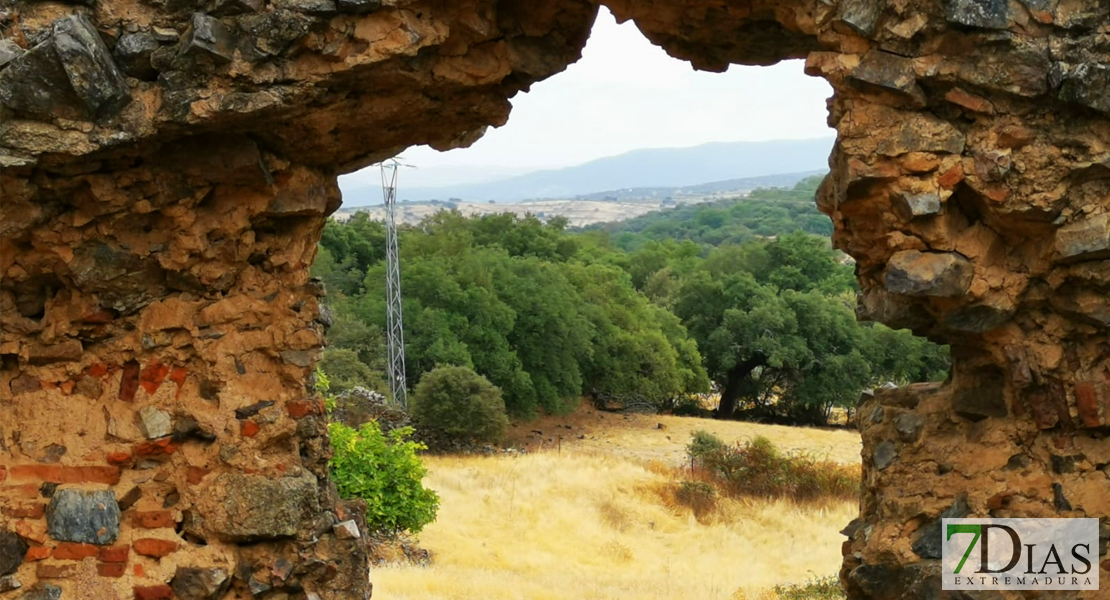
column 395, row 333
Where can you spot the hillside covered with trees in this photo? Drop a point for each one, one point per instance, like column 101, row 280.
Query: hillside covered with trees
column 763, row 213
column 738, row 298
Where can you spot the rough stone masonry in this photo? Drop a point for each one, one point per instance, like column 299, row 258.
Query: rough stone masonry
column 167, row 166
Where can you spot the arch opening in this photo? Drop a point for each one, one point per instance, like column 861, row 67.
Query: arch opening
column 221, row 127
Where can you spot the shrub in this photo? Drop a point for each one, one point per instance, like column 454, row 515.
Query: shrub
column 700, row 496
column 821, row 588
column 460, row 404
column 383, row 470
column 758, row 468
column 689, row 406
column 703, row 445
column 323, row 387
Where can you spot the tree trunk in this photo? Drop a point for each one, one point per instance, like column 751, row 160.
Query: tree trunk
column 734, row 388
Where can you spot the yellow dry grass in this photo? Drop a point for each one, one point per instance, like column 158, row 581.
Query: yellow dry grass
column 591, row 522
column 638, row 436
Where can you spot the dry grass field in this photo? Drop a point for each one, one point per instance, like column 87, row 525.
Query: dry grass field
column 593, row 518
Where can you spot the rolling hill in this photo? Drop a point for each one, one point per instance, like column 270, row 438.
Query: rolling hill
column 646, row 168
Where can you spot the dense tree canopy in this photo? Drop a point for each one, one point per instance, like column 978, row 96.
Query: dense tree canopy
column 644, row 314
column 763, row 213
column 510, row 299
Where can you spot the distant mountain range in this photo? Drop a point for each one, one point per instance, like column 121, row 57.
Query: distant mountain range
column 719, row 162
column 701, row 190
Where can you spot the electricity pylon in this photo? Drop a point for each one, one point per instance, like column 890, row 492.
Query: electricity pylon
column 395, row 331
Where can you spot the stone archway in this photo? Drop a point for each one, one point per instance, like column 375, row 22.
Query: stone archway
column 168, row 166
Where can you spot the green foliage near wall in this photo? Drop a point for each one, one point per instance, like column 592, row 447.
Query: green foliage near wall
column 384, row 470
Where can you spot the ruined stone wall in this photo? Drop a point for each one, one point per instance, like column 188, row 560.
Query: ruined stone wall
column 167, row 170
column 971, row 182
column 167, row 165
column 159, row 433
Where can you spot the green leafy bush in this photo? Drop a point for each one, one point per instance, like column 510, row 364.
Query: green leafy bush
column 758, row 468
column 703, row 445
column 323, row 387
column 460, row 404
column 383, row 470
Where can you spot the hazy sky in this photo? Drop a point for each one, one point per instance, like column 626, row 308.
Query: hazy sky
column 622, row 95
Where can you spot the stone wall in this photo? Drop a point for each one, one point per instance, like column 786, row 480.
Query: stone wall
column 168, row 164
column 167, row 170
column 159, row 431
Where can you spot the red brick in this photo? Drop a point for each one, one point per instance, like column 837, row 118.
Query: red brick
column 1090, row 406
column 119, row 458
column 59, row 474
column 111, row 569
column 177, row 375
column 951, row 177
column 28, row 511
column 300, row 409
column 31, row 531
column 248, row 428
column 153, row 592
column 152, row 376
column 154, row 547
column 162, row 447
column 195, row 475
column 36, row 553
column 72, row 551
column 969, row 101
column 97, row 370
column 67, row 386
column 26, row 491
column 114, row 554
column 45, row 571
column 99, row 316
column 998, row 193
column 138, row 569
column 129, row 381
column 153, row 519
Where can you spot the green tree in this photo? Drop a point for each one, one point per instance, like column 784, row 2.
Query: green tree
column 764, row 212
column 345, row 371
column 747, row 333
column 639, row 353
column 461, row 404
column 646, row 312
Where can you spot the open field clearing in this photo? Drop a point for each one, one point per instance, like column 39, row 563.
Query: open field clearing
column 596, row 519
column 638, row 436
